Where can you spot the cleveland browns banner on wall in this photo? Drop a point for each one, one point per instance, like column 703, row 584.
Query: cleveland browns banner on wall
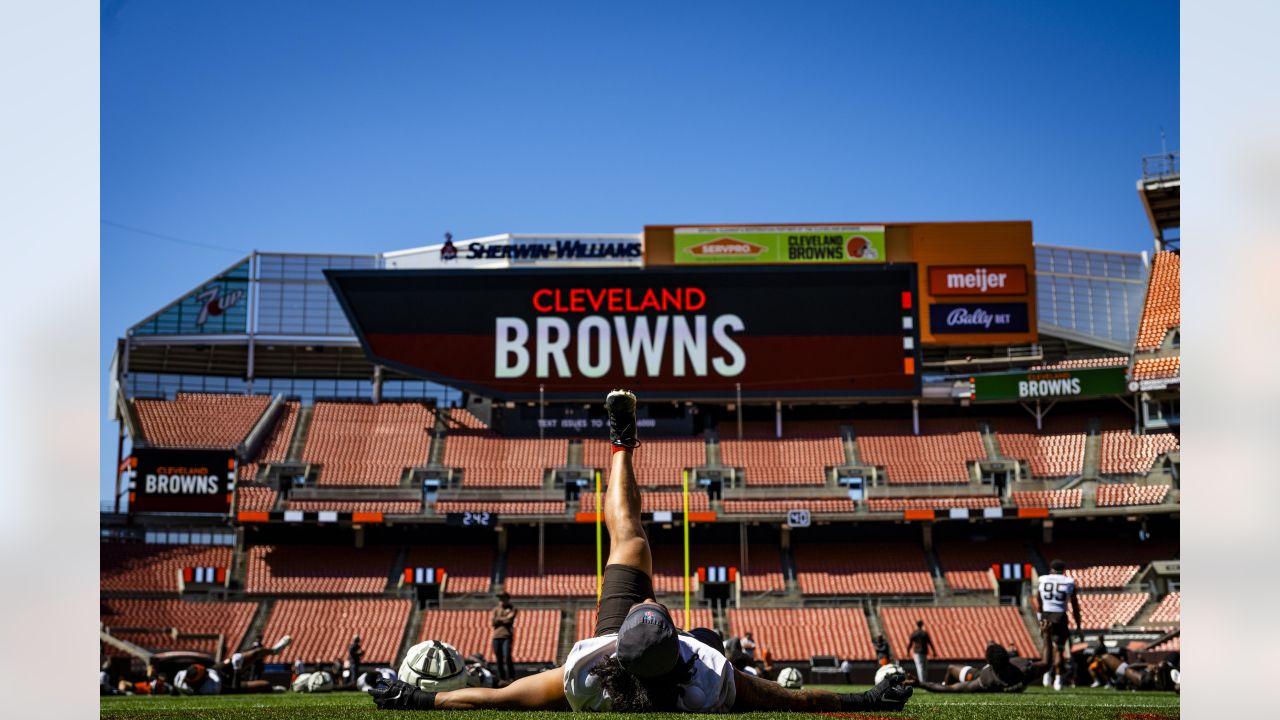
column 667, row 332
column 181, row 481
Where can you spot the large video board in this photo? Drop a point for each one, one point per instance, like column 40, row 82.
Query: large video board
column 667, row 332
column 182, row 480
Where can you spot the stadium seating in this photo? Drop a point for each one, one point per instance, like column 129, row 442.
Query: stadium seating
column 1079, row 363
column 1104, row 563
column 491, row 461
column 1052, row 499
column 1157, row 368
column 654, row 500
column 388, row 507
column 329, row 570
column 567, row 572
column 764, row 565
column 276, row 448
column 1056, row 450
column 967, row 565
column 322, row 629
column 154, row 568
column 793, row 634
column 229, row 619
column 698, row 617
column 1169, row 610
column 785, row 461
column 1101, row 611
column 469, row 567
column 255, row 498
column 358, row 444
column 536, row 635
column 939, row 454
column 659, row 461
column 502, row 507
column 958, row 633
column 460, row 417
column 1124, row 453
column 1162, row 310
column 867, row 568
column 200, row 420
column 898, row 504
column 1129, row 494
column 781, row 506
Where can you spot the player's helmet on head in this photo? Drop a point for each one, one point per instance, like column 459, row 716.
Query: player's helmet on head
column 647, row 642
column 1057, row 566
column 790, row 678
column 887, row 670
column 434, row 666
column 996, row 655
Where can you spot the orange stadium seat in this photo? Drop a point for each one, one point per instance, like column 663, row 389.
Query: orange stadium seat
column 1052, row 499
column 567, row 572
column 1079, row 363
column 1162, row 310
column 785, row 461
column 1056, row 450
column 229, row 619
column 469, row 567
column 865, row 568
column 460, row 417
column 537, row 632
column 898, row 504
column 1129, row 494
column 763, row 573
column 255, row 498
column 1101, row 611
column 939, row 454
column 1124, row 453
column 793, row 634
column 276, row 448
column 200, row 420
column 654, row 500
column 958, row 633
column 358, row 444
column 1169, row 611
column 698, row 617
column 1157, row 368
column 502, row 507
column 321, row 569
column 1106, row 564
column 967, row 565
column 388, row 507
column 322, row 629
column 658, row 462
column 781, row 506
column 154, row 568
column 491, row 461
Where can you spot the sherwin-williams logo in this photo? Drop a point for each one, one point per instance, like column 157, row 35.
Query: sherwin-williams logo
column 727, row 246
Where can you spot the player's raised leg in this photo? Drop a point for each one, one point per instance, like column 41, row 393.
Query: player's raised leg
column 628, row 544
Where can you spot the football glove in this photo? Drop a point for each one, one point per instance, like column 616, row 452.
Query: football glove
column 890, row 695
column 399, row 695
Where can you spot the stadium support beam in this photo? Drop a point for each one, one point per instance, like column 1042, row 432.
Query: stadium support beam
column 743, row 554
column 777, row 419
column 915, row 417
column 377, row 384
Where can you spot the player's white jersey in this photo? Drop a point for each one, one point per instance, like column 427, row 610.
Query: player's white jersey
column 710, row 690
column 1055, row 592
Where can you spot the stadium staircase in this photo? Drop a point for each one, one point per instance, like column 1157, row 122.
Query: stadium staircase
column 299, row 438
column 568, row 633
column 852, row 454
column 393, row 588
column 990, row 442
column 412, row 629
column 940, row 587
column 1088, row 495
column 1092, row 450
column 257, row 625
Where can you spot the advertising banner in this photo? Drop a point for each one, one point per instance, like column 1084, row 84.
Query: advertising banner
column 182, row 481
column 775, row 245
column 219, row 307
column 669, row 332
column 970, row 318
column 1085, row 382
column 978, row 280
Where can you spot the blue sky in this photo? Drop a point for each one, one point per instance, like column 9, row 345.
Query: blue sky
column 325, row 126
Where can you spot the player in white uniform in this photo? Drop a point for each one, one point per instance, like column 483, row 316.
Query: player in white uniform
column 638, row 661
column 1056, row 590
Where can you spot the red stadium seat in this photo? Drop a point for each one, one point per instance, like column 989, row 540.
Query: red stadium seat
column 502, row 507
column 1052, row 499
column 1169, row 611
column 698, row 617
column 358, row 444
column 469, row 567
column 1162, row 310
column 793, row 634
column 322, row 629
column 865, row 568
column 659, row 461
column 898, row 504
column 785, row 461
column 200, row 420
column 967, row 565
column 1056, row 450
column 228, row 619
column 1124, row 453
column 939, row 454
column 537, row 633
column 488, row 460
column 276, row 448
column 781, row 506
column 329, row 570
column 958, row 633
column 154, row 568
column 567, row 572
column 1129, row 494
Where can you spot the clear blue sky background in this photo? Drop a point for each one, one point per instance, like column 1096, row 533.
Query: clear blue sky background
column 323, row 126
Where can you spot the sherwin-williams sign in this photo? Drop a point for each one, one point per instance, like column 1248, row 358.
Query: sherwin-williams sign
column 1051, row 384
column 808, row 244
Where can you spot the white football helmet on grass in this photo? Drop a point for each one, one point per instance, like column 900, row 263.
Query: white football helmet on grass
column 887, row 670
column 434, row 666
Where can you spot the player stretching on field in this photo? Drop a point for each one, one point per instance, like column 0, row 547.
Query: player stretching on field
column 638, row 661
column 1055, row 589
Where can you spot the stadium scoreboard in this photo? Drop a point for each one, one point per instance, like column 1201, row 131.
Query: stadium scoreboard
column 672, row 332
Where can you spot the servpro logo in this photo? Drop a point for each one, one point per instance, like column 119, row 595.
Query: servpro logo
column 727, row 246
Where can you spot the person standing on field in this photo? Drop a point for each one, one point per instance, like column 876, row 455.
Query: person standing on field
column 503, row 635
column 920, row 645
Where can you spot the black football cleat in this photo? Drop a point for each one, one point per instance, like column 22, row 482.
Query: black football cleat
column 397, row 695
column 891, row 694
column 621, row 405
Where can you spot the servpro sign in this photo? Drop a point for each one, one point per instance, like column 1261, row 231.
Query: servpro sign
column 1050, row 384
column 669, row 332
column 788, row 244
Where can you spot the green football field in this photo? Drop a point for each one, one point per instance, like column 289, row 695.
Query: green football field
column 1079, row 704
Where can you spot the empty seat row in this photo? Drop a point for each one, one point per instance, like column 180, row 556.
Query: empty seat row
column 958, row 633
column 898, row 504
column 488, row 460
column 699, row 617
column 1052, row 499
column 358, row 444
column 154, row 568
column 502, row 507
column 199, row 420
column 876, row 568
column 285, row 569
column 653, row 500
column 785, row 461
column 156, row 617
column 322, row 629
column 1129, row 494
column 276, row 448
column 1162, row 309
column 469, row 568
column 1123, row 453
column 940, row 454
column 1054, row 450
column 1169, row 610
column 967, row 565
column 783, row 505
column 536, row 635
column 1157, row 368
column 792, row 634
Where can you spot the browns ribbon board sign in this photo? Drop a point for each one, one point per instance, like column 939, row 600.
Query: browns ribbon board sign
column 182, row 481
column 667, row 332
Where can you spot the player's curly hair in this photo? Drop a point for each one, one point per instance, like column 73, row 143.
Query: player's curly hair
column 629, row 693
